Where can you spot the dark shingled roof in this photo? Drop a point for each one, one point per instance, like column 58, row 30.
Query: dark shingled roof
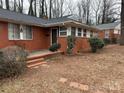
column 23, row 18
column 108, row 26
column 58, row 20
column 9, row 16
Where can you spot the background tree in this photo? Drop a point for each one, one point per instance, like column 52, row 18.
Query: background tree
column 50, row 9
column 7, row 4
column 122, row 24
column 84, row 7
column 96, row 5
column 42, row 8
column 86, row 11
column 1, row 4
column 109, row 10
column 30, row 11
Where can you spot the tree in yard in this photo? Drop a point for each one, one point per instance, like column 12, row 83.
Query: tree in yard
column 122, row 24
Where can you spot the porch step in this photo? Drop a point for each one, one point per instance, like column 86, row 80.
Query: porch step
column 44, row 55
column 36, row 64
column 38, row 59
column 29, row 62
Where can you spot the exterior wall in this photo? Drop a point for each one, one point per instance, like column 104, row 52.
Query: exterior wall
column 101, row 34
column 81, row 44
column 41, row 38
column 111, row 34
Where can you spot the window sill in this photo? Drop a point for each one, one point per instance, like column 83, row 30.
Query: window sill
column 20, row 39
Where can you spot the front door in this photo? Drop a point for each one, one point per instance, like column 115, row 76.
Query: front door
column 54, row 35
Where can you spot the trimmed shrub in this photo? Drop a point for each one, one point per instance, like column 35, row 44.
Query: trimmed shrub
column 106, row 41
column 101, row 44
column 95, row 44
column 70, row 44
column 55, row 47
column 114, row 41
column 12, row 61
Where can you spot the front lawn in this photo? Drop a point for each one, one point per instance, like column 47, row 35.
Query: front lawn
column 102, row 72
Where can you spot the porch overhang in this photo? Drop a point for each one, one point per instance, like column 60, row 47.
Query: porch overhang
column 20, row 22
column 72, row 23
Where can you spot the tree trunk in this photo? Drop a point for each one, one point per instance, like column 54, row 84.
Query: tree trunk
column 21, row 7
column 122, row 24
column 1, row 4
column 42, row 8
column 30, row 12
column 7, row 4
column 50, row 10
column 35, row 8
column 15, row 5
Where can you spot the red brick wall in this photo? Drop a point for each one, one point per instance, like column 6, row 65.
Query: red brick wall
column 41, row 38
column 101, row 34
column 63, row 42
column 111, row 34
column 81, row 44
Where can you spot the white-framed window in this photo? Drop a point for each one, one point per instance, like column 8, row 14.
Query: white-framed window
column 73, row 31
column 79, row 32
column 106, row 34
column 62, row 31
column 19, row 32
column 84, row 33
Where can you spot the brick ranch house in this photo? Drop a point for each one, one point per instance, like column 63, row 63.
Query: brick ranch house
column 110, row 31
column 36, row 34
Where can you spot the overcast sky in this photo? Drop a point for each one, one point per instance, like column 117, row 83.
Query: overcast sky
column 72, row 3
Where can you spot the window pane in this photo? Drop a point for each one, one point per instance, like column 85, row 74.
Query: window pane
column 73, row 31
column 11, row 31
column 84, row 33
column 63, row 28
column 16, row 32
column 28, row 33
column 79, row 32
column 24, row 32
column 63, row 31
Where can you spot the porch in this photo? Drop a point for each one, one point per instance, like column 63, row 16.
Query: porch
column 37, row 58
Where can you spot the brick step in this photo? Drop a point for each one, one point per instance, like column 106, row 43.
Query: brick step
column 34, row 61
column 36, row 64
column 43, row 56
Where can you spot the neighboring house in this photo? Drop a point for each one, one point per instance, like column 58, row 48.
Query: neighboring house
column 109, row 31
column 35, row 33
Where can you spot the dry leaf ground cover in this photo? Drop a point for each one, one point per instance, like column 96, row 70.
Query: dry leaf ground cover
column 103, row 72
